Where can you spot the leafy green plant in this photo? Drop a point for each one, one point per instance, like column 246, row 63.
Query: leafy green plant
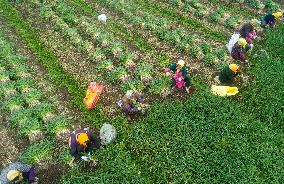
column 105, row 65
column 33, row 96
column 13, row 103
column 24, row 85
column 221, row 54
column 43, row 110
column 18, row 117
column 57, row 124
column 132, row 85
column 217, row 15
column 118, row 74
column 176, row 2
column 30, row 126
column 196, row 51
column 209, row 59
column 104, row 39
column 159, row 85
column 127, row 59
column 271, row 6
column 98, row 55
column 38, row 152
column 8, row 89
column 4, row 76
column 145, row 71
column 253, row 3
column 232, row 22
column 116, row 48
column 206, row 48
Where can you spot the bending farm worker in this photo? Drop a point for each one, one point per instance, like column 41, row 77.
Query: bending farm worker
column 82, row 142
column 270, row 19
column 18, row 172
column 228, row 74
column 131, row 103
column 239, row 50
column 179, row 75
column 248, row 33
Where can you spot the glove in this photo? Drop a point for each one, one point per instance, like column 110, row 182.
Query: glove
column 139, row 108
column 251, row 45
column 85, row 158
column 36, row 181
column 168, row 73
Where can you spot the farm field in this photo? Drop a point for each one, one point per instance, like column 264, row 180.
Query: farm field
column 51, row 50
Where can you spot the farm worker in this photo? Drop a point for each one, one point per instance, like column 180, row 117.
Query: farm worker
column 83, row 141
column 179, row 76
column 229, row 73
column 131, row 103
column 17, row 172
column 270, row 19
column 239, row 50
column 249, row 33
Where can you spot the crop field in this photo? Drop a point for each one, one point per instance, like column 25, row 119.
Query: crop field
column 50, row 50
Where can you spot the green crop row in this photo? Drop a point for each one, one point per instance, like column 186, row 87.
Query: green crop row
column 161, row 28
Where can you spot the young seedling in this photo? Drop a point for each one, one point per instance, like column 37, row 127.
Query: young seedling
column 206, row 48
column 160, row 86
column 104, row 39
column 127, row 59
column 13, row 103
column 31, row 128
column 24, row 85
column 145, row 72
column 18, row 117
column 196, row 52
column 58, row 126
column 98, row 55
column 116, row 48
column 106, row 65
column 44, row 111
column 8, row 89
column 209, row 59
column 4, row 76
column 118, row 74
column 132, row 85
column 32, row 97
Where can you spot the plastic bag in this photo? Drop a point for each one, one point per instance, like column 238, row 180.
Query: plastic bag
column 102, row 17
column 107, row 134
column 233, row 40
column 93, row 94
column 224, row 90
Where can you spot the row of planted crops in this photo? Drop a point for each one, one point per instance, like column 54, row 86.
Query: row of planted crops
column 26, row 107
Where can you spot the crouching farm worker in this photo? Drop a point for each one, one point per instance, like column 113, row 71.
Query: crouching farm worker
column 18, row 172
column 83, row 142
column 179, row 75
column 228, row 74
column 131, row 104
column 239, row 50
column 270, row 19
column 248, row 33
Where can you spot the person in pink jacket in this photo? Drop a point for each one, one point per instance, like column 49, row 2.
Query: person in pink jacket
column 248, row 32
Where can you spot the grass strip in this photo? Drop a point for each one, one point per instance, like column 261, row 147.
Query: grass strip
column 49, row 60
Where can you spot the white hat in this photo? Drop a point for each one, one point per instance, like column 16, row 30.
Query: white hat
column 102, row 17
column 181, row 63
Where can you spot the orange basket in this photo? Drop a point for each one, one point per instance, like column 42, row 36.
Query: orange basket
column 93, row 94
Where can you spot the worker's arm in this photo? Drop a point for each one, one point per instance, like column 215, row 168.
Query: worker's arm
column 95, row 139
column 74, row 152
column 173, row 67
column 128, row 108
column 184, row 72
